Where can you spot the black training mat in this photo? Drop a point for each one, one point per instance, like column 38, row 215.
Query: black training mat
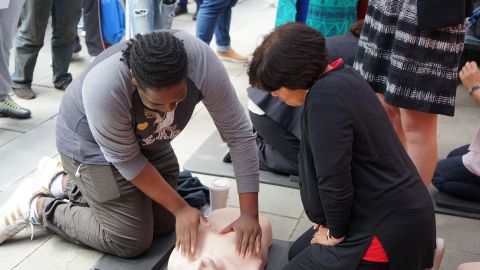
column 449, row 205
column 278, row 254
column 208, row 160
column 156, row 257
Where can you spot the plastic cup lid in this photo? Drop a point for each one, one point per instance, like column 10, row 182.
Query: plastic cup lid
column 220, row 184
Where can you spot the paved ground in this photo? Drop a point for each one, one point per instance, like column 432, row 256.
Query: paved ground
column 23, row 142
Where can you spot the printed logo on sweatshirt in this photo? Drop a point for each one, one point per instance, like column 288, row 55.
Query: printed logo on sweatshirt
column 142, row 126
column 163, row 127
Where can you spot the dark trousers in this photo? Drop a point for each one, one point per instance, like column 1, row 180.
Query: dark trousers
column 453, row 178
column 301, row 256
column 93, row 34
column 31, row 34
column 277, row 148
column 184, row 3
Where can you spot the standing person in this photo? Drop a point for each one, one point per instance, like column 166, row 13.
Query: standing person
column 30, row 37
column 8, row 26
column 114, row 129
column 93, row 32
column 409, row 52
column 91, row 26
column 215, row 17
column 150, row 15
column 357, row 183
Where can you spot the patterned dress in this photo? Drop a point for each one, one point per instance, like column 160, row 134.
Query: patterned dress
column 415, row 68
column 330, row 17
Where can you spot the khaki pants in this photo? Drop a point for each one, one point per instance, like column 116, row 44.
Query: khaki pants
column 108, row 213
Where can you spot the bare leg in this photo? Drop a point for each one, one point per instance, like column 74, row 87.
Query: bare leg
column 394, row 116
column 421, row 139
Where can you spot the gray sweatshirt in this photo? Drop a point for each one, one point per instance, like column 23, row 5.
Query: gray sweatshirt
column 102, row 121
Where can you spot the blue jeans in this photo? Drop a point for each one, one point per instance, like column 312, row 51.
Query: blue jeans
column 215, row 16
column 30, row 37
column 453, row 178
column 149, row 15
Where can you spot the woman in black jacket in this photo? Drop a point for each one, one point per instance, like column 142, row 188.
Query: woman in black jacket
column 357, row 183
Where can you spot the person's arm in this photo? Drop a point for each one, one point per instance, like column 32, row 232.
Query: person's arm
column 249, row 235
column 234, row 128
column 330, row 134
column 221, row 101
column 152, row 183
column 470, row 77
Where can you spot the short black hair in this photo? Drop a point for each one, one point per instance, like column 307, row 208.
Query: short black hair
column 293, row 56
column 157, row 59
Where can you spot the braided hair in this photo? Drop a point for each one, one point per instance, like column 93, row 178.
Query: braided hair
column 157, row 59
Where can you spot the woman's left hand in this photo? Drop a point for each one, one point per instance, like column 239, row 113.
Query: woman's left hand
column 321, row 237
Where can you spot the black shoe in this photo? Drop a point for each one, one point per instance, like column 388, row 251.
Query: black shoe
column 227, row 158
column 77, row 47
column 62, row 86
column 9, row 108
column 179, row 10
column 23, row 91
column 194, row 17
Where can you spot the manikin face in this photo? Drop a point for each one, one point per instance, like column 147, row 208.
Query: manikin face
column 163, row 99
column 292, row 97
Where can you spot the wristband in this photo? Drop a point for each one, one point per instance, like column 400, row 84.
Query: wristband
column 473, row 89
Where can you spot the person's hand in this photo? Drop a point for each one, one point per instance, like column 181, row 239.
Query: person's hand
column 470, row 75
column 321, row 237
column 248, row 234
column 186, row 225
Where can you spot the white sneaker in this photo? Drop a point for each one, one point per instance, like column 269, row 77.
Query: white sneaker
column 47, row 169
column 15, row 213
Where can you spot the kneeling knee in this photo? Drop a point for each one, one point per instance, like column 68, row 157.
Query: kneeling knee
column 130, row 248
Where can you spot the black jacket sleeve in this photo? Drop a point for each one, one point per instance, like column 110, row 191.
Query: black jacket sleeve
column 330, row 134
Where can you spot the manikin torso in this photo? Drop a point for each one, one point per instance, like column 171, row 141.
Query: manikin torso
column 217, row 251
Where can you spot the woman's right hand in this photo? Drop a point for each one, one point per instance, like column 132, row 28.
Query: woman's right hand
column 186, row 225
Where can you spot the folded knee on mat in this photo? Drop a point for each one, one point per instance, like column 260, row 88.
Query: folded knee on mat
column 129, row 248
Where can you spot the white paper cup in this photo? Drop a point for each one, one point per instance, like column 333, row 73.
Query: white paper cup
column 219, row 193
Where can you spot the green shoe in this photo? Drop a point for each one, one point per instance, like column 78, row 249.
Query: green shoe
column 9, row 108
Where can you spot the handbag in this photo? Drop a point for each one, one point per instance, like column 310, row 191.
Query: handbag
column 112, row 21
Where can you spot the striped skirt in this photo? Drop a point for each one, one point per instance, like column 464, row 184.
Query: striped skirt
column 414, row 68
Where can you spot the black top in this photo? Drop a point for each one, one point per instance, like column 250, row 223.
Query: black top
column 343, row 46
column 357, row 179
column 434, row 14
